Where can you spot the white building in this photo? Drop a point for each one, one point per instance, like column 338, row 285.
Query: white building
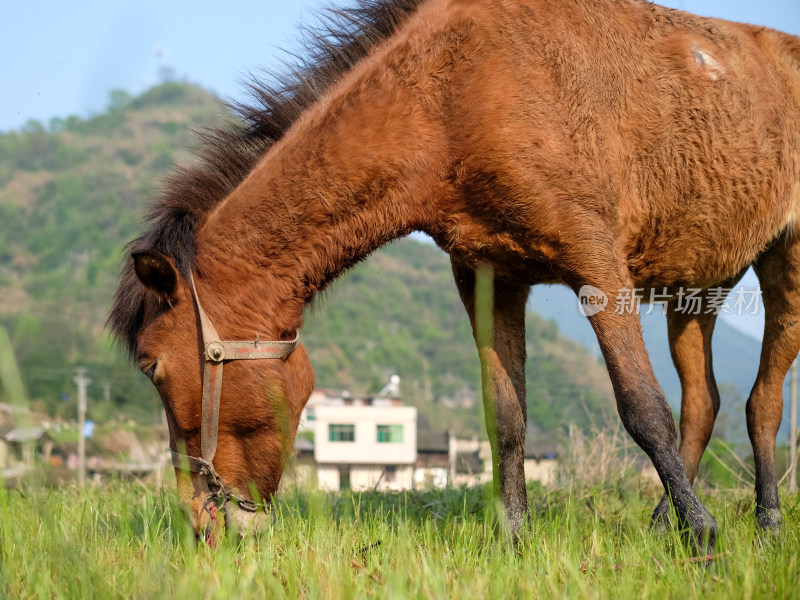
column 362, row 443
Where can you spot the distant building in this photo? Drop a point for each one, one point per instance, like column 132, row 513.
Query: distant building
column 541, row 461
column 432, row 469
column 470, row 460
column 302, row 471
column 18, row 447
column 361, row 442
column 372, row 443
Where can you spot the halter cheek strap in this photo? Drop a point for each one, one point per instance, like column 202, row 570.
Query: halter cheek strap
column 217, row 352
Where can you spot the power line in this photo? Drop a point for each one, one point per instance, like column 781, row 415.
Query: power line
column 82, row 381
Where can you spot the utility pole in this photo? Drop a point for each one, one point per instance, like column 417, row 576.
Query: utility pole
column 82, row 381
column 793, row 432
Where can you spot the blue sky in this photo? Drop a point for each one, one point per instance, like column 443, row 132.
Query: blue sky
column 62, row 58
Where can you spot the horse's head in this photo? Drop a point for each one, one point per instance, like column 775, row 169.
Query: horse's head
column 230, row 441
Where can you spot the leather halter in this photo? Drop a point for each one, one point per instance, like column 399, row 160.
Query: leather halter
column 217, row 353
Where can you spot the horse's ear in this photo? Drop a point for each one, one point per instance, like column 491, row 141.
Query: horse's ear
column 157, row 273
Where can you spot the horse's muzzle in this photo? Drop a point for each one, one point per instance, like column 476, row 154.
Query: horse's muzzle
column 210, row 521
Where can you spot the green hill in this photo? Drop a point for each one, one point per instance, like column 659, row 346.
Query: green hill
column 73, row 193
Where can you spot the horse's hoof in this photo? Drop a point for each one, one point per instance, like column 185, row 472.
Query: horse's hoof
column 702, row 530
column 660, row 521
column 770, row 521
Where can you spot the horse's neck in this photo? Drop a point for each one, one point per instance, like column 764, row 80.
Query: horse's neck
column 352, row 175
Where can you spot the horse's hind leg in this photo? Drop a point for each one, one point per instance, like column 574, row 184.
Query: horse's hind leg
column 503, row 375
column 690, row 345
column 778, row 271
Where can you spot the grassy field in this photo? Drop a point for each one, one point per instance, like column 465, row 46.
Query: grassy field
column 126, row 540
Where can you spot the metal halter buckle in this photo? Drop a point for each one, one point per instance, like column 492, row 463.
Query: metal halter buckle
column 215, row 352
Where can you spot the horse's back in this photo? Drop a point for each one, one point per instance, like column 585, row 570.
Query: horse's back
column 681, row 131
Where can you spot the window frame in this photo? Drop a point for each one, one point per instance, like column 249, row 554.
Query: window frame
column 390, row 433
column 341, row 429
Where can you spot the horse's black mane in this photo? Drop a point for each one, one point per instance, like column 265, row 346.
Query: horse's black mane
column 227, row 154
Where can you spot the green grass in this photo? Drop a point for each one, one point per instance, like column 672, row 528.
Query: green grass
column 128, row 541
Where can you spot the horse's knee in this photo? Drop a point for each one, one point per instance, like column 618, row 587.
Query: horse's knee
column 647, row 417
column 764, row 407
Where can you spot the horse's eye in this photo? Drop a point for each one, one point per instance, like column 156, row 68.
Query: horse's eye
column 150, row 370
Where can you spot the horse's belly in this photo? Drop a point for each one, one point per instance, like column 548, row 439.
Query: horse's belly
column 701, row 249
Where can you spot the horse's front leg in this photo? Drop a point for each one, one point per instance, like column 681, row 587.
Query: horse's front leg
column 501, row 346
column 641, row 404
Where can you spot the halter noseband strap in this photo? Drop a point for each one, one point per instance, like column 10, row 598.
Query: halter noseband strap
column 217, row 352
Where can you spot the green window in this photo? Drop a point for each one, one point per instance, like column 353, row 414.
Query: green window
column 338, row 432
column 390, row 434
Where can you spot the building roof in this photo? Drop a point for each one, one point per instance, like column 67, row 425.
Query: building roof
column 432, row 442
column 303, row 445
column 24, row 434
column 539, row 449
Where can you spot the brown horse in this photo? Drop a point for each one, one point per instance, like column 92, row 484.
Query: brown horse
column 611, row 143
